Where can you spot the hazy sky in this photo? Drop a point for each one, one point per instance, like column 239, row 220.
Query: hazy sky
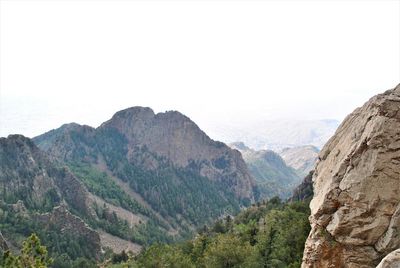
column 215, row 61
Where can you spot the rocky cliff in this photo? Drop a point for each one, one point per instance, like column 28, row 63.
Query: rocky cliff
column 68, row 224
column 177, row 138
column 163, row 161
column 37, row 195
column 26, row 174
column 304, row 191
column 355, row 212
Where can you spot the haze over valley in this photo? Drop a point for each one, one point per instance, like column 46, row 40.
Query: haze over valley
column 199, row 134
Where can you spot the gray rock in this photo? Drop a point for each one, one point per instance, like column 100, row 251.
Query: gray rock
column 392, row 260
column 177, row 138
column 355, row 209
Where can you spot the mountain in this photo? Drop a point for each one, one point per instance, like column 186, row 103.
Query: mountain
column 301, row 158
column 304, row 191
column 355, row 211
column 38, row 195
column 270, row 233
column 273, row 176
column 162, row 161
column 276, row 134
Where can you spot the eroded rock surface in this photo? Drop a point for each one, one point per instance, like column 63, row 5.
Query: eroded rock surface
column 392, row 260
column 175, row 137
column 72, row 225
column 356, row 205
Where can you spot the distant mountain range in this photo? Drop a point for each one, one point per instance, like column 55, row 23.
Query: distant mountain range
column 301, row 158
column 164, row 158
column 273, row 176
column 276, row 134
column 137, row 179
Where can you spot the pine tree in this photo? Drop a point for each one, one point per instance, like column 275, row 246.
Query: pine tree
column 33, row 255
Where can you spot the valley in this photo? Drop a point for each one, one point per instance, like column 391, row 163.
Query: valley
column 149, row 189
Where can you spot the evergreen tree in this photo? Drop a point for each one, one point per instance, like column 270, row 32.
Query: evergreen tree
column 33, row 255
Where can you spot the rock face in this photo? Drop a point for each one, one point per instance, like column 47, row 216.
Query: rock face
column 305, row 190
column 41, row 193
column 174, row 136
column 163, row 161
column 28, row 176
column 72, row 225
column 392, row 260
column 355, row 212
column 302, row 158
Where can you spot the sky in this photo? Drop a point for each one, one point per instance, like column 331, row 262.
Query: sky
column 218, row 62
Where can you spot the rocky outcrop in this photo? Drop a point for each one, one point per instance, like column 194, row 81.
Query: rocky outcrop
column 305, row 190
column 162, row 160
column 31, row 183
column 62, row 143
column 72, row 225
column 175, row 137
column 148, row 139
column 392, row 260
column 29, row 178
column 356, row 206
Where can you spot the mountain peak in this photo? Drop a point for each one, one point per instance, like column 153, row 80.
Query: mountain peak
column 17, row 141
column 153, row 142
column 130, row 116
column 397, row 89
column 134, row 111
column 17, row 138
column 239, row 146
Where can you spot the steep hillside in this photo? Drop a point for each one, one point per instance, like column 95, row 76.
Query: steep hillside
column 302, row 158
column 355, row 212
column 273, row 176
column 269, row 234
column 41, row 196
column 163, row 161
column 305, row 190
column 77, row 211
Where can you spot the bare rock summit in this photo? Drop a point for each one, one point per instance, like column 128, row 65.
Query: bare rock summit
column 355, row 212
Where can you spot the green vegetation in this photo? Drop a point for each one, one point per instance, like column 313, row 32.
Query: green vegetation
column 273, row 176
column 33, row 255
column 100, row 184
column 176, row 191
column 170, row 190
column 61, row 246
column 268, row 234
column 180, row 195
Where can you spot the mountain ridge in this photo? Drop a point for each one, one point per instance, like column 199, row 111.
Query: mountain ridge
column 158, row 156
column 273, row 176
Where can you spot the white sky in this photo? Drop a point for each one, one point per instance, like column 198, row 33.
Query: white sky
column 215, row 61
